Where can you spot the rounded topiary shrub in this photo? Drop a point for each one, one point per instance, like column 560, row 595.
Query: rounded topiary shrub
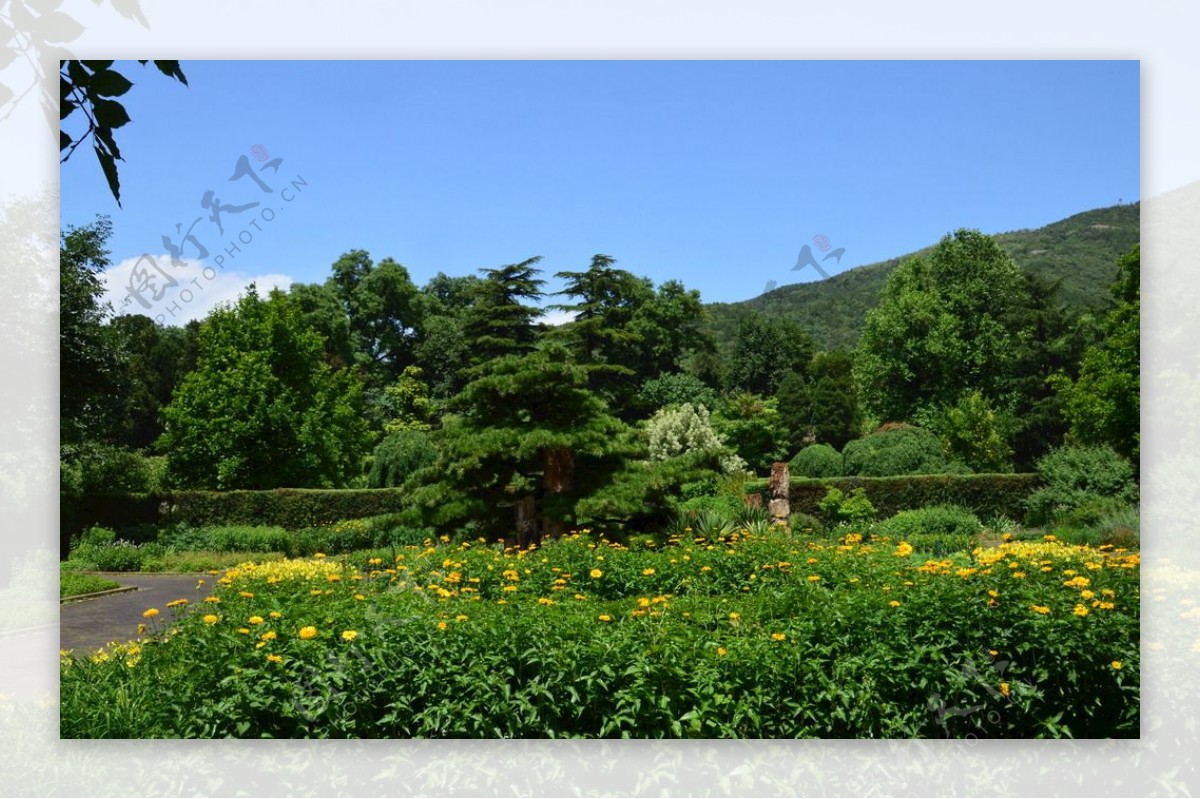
column 817, row 460
column 398, row 456
column 896, row 450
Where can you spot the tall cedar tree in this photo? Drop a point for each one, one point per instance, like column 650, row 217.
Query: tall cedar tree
column 521, row 432
column 600, row 334
column 498, row 323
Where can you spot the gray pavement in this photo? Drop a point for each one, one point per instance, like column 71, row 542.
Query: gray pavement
column 92, row 623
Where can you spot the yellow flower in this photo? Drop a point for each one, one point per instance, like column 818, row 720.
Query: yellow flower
column 176, row 603
column 722, row 651
column 734, row 616
column 275, row 614
column 461, row 617
column 213, row 599
column 442, row 625
column 1042, row 609
column 814, row 578
column 1080, row 610
column 211, row 619
column 244, row 630
column 349, row 635
column 595, row 574
column 275, row 658
column 246, row 594
column 1116, row 664
column 151, row 613
column 894, row 604
column 647, row 572
column 993, row 652
column 778, row 636
column 255, row 619
column 1004, row 688
column 993, row 593
column 903, row 549
column 308, row 632
column 359, row 597
column 269, row 635
column 318, row 555
column 545, row 601
column 604, row 617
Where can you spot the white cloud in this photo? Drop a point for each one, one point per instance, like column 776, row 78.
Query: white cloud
column 198, row 287
column 556, row 318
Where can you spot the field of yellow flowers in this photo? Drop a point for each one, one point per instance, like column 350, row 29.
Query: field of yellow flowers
column 766, row 636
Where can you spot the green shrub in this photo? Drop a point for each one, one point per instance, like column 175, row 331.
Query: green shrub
column 398, row 456
column 805, row 523
column 1077, row 477
column 99, row 467
column 897, row 451
column 939, row 530
column 817, row 460
column 987, row 495
column 852, row 508
column 725, row 504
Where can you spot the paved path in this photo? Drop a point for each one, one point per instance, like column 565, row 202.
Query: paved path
column 92, row 623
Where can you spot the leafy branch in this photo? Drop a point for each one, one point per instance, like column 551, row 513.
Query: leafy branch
column 89, row 87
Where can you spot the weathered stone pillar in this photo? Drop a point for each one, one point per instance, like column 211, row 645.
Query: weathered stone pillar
column 779, row 507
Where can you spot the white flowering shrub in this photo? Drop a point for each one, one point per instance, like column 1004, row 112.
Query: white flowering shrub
column 685, row 428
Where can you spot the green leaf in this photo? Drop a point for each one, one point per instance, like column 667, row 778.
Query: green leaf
column 109, row 113
column 109, row 84
column 64, row 140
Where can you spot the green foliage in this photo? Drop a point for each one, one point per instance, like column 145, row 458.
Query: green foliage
column 945, row 325
column 987, row 495
column 91, row 468
column 1103, row 404
column 896, row 450
column 72, row 583
column 399, row 455
column 1078, row 476
column 263, row 409
column 599, row 333
column 817, row 460
column 497, row 324
column 527, row 425
column 938, row 529
column 854, row 508
column 91, row 358
column 408, row 403
column 822, row 404
column 674, row 388
column 764, row 352
column 805, row 523
column 89, row 87
column 975, row 432
column 685, row 640
column 750, row 426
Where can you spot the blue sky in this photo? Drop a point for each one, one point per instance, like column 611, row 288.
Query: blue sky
column 714, row 173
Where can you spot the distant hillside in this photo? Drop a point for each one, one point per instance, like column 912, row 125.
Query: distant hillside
column 1081, row 250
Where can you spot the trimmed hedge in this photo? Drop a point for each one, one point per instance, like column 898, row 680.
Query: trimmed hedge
column 985, row 494
column 291, row 508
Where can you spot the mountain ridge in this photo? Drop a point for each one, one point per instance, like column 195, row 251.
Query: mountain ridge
column 1080, row 252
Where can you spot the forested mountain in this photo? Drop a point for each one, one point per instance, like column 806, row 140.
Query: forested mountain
column 1081, row 251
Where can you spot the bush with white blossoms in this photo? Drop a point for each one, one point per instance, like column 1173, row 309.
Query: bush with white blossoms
column 680, row 429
